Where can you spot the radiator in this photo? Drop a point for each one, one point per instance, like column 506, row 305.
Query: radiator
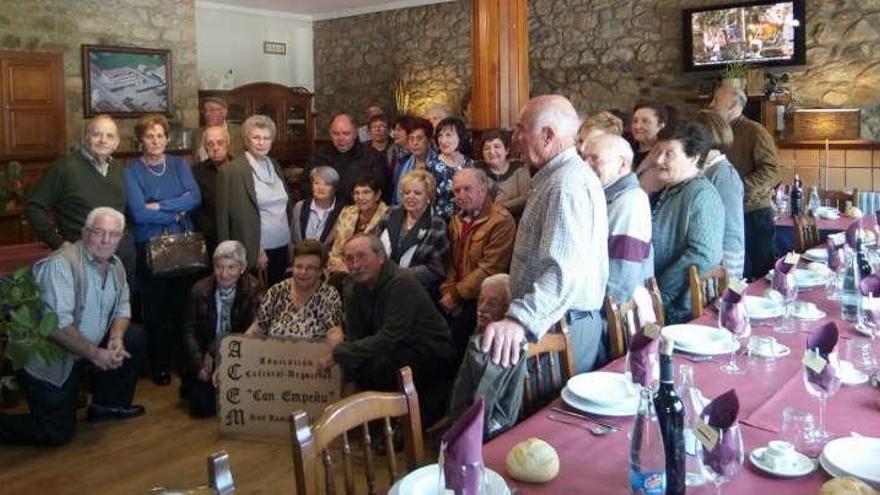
column 869, row 201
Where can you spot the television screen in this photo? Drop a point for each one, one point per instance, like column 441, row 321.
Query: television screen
column 762, row 33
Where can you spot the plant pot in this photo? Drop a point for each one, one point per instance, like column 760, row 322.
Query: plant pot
column 739, row 83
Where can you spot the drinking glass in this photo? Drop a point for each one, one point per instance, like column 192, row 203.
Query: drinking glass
column 467, row 470
column 789, row 296
column 834, row 284
column 858, row 352
column 725, row 461
column 799, row 429
column 739, row 330
column 653, row 378
column 823, row 386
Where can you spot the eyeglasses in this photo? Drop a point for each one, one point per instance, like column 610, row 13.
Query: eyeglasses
column 111, row 234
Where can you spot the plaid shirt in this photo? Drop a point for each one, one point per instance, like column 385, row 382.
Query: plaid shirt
column 428, row 263
column 560, row 259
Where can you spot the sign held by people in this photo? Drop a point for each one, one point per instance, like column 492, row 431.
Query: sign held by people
column 264, row 380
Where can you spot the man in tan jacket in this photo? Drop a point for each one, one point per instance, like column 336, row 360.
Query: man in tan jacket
column 753, row 154
column 481, row 235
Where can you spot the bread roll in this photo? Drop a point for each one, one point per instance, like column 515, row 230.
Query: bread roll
column 532, row 461
column 846, row 486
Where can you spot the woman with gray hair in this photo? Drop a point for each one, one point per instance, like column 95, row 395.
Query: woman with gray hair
column 253, row 204
column 313, row 218
column 223, row 302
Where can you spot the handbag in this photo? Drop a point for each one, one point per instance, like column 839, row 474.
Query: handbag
column 173, row 255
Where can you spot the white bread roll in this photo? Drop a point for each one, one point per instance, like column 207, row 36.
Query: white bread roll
column 533, row 461
column 846, row 486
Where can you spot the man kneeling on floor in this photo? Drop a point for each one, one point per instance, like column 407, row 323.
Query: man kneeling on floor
column 84, row 284
column 391, row 322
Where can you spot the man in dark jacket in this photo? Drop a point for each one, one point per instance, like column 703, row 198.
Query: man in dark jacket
column 390, row 322
column 349, row 158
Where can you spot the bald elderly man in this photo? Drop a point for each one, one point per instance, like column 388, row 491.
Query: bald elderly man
column 349, row 158
column 559, row 267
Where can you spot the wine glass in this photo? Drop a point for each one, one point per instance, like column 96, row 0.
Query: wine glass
column 645, row 367
column 734, row 318
column 789, row 295
column 725, row 460
column 823, row 385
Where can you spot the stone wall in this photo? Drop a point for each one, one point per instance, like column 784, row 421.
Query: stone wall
column 64, row 25
column 358, row 59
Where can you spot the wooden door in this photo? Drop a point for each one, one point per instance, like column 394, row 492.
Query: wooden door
column 32, row 94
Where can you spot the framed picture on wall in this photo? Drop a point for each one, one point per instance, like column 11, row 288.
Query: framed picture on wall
column 126, row 81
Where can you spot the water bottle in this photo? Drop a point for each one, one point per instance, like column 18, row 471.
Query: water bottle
column 647, row 460
column 850, row 293
column 815, row 202
column 693, row 405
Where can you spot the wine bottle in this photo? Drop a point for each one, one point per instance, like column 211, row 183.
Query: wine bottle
column 797, row 197
column 862, row 255
column 647, row 462
column 670, row 415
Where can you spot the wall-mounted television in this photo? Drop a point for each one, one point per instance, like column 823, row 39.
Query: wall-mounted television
column 765, row 33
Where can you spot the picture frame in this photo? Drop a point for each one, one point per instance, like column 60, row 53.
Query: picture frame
column 126, row 82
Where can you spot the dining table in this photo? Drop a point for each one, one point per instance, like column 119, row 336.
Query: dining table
column 826, row 226
column 599, row 464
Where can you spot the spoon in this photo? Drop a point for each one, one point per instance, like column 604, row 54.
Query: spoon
column 596, row 430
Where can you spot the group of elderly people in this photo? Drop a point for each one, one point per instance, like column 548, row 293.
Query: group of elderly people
column 673, row 193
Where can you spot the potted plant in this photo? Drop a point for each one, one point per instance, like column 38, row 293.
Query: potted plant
column 25, row 324
column 11, row 186
column 734, row 75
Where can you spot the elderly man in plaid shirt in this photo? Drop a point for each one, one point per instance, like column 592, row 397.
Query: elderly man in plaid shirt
column 560, row 259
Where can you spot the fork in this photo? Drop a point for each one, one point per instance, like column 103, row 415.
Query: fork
column 596, row 430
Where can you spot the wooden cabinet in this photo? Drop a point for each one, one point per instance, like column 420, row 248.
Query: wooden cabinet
column 289, row 108
column 32, row 109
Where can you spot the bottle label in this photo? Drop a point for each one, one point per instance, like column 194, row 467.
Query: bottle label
column 647, row 483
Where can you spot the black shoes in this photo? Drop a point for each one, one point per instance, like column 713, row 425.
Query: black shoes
column 161, row 378
column 96, row 413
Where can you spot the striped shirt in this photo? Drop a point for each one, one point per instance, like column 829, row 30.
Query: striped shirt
column 560, row 258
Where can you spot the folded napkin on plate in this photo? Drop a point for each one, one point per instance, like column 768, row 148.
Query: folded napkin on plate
column 461, row 451
column 823, row 341
column 783, row 277
column 734, row 316
column 643, row 355
column 721, row 414
column 836, row 255
column 852, row 233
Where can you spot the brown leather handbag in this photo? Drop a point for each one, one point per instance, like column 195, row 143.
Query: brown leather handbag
column 173, row 255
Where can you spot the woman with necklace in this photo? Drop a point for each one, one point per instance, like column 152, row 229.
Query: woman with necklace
column 361, row 217
column 512, row 178
column 414, row 237
column 453, row 143
column 303, row 306
column 161, row 191
column 253, row 204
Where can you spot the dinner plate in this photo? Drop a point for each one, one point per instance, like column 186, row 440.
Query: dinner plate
column 623, row 409
column 603, row 388
column 802, row 464
column 424, row 481
column 862, row 329
column 816, row 254
column 700, row 339
column 779, row 350
column 854, row 456
column 803, row 310
column 827, row 212
column 805, row 279
column 850, row 375
column 760, row 308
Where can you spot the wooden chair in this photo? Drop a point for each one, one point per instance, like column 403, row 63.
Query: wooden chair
column 705, row 289
column 657, row 300
column 806, row 233
column 549, row 364
column 623, row 323
column 839, row 198
column 311, row 444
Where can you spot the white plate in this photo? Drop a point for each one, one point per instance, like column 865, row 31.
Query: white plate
column 849, row 375
column 862, row 329
column 603, row 388
column 805, row 279
column 760, row 308
column 700, row 339
column 854, row 456
column 803, row 310
column 622, row 409
column 425, row 479
column 779, row 350
column 816, row 254
column 803, row 464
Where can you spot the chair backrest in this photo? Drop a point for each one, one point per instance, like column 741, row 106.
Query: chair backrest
column 623, row 323
column 806, row 233
column 312, row 443
column 706, row 288
column 549, row 364
column 656, row 300
column 839, row 198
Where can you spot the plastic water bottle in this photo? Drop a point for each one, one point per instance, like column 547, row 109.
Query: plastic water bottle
column 647, row 460
column 850, row 293
column 815, row 202
column 693, row 405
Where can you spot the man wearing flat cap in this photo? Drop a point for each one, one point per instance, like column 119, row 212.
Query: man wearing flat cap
column 214, row 110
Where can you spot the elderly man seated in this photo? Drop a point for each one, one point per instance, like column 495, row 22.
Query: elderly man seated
column 391, row 322
column 84, row 284
column 630, row 255
column 494, row 300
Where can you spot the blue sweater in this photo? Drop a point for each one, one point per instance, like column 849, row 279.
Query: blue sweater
column 175, row 190
column 688, row 229
column 726, row 180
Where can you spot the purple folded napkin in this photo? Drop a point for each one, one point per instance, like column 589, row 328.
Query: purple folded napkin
column 643, row 358
column 721, row 414
column 783, row 277
column 852, row 232
column 461, row 449
column 733, row 315
column 823, row 340
column 870, row 286
column 836, row 255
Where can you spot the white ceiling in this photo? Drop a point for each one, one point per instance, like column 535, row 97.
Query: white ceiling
column 315, row 9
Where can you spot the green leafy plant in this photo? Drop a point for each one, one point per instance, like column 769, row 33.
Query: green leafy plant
column 26, row 321
column 11, row 185
column 735, row 70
